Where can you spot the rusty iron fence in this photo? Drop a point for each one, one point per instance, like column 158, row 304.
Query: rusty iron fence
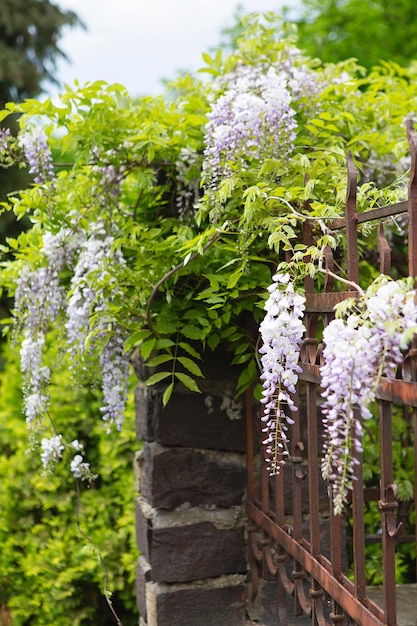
column 288, row 514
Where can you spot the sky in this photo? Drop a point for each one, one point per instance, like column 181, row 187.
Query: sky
column 139, row 42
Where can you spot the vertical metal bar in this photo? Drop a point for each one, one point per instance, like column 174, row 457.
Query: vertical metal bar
column 279, row 497
column 297, row 477
column 415, row 474
column 412, row 201
column 384, row 251
column 281, row 554
column 313, row 493
column 336, row 560
column 313, row 469
column 297, row 448
column 387, row 506
column 250, row 451
column 335, row 545
column 351, row 223
column 358, row 522
column 264, row 483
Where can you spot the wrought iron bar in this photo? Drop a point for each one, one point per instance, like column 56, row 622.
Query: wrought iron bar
column 276, row 525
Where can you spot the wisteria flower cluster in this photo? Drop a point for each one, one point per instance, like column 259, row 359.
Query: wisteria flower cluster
column 39, row 299
column 53, row 449
column 39, row 156
column 5, row 140
column 302, row 82
column 253, row 117
column 97, row 257
column 41, row 296
column 281, row 331
column 360, row 348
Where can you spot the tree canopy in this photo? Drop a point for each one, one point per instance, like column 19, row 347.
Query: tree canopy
column 30, row 31
column 334, row 30
column 29, row 46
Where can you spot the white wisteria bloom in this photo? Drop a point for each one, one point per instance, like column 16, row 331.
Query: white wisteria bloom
column 52, row 449
column 96, row 259
column 358, row 351
column 79, row 468
column 281, row 331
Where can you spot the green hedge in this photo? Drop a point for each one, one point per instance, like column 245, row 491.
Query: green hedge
column 49, row 572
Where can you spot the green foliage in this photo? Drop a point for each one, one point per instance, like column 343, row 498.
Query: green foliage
column 49, row 573
column 192, row 278
column 334, row 30
column 197, row 276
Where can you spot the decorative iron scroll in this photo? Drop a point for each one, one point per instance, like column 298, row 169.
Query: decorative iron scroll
column 285, row 512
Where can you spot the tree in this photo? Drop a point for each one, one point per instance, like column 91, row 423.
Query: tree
column 29, row 35
column 334, row 30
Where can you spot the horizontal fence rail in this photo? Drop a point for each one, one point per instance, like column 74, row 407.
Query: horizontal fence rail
column 294, row 536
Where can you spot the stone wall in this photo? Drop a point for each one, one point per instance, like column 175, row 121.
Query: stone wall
column 189, row 511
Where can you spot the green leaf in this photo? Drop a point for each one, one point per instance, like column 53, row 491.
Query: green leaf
column 163, row 343
column 191, row 332
column 241, row 358
column 135, row 338
column 234, row 278
column 13, row 243
column 159, row 359
column 207, row 59
column 187, row 348
column 156, row 378
column 213, row 341
column 146, row 347
column 247, row 377
column 167, row 394
column 190, row 366
column 187, row 381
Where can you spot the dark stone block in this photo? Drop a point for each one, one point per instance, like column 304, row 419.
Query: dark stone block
column 143, row 530
column 143, row 575
column 219, row 606
column 174, row 476
column 148, row 401
column 196, row 551
column 206, row 420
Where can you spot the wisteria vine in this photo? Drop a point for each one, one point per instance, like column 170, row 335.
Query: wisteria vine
column 40, row 298
column 43, row 295
column 365, row 342
column 262, row 112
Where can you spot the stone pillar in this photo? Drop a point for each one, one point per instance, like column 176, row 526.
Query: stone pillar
column 189, row 512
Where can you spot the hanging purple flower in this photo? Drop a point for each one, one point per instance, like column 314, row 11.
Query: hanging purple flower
column 96, row 259
column 358, row 351
column 253, row 119
column 281, row 332
column 39, row 156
